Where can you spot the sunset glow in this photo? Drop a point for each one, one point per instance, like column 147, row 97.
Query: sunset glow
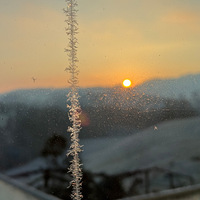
column 147, row 40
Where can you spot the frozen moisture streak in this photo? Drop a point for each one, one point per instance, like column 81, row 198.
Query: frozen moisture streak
column 73, row 98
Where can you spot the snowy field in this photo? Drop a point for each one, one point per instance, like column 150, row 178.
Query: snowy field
column 173, row 145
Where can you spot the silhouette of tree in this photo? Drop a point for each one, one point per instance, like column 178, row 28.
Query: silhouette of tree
column 54, row 146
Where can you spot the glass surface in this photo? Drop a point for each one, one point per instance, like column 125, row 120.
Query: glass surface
column 139, row 94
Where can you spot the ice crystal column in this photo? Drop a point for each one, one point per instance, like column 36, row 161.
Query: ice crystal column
column 73, row 98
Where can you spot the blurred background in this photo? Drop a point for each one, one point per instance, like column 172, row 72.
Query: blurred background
column 137, row 139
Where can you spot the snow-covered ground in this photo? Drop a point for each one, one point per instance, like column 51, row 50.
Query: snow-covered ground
column 173, row 145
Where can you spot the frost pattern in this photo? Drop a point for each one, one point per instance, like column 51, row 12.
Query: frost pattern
column 73, row 98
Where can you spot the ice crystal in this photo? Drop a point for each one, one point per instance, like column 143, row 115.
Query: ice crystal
column 73, row 98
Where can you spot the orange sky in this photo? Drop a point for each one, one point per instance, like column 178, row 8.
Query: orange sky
column 118, row 39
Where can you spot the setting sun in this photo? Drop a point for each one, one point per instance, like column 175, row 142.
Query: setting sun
column 126, row 83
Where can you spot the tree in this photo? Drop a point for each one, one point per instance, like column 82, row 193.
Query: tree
column 54, row 146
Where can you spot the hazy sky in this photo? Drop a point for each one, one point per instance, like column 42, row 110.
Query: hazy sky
column 139, row 39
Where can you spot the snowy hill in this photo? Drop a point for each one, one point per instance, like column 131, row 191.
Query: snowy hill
column 92, row 97
column 169, row 147
column 184, row 86
column 173, row 145
column 30, row 117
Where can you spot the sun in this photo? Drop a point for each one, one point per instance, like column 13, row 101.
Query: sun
column 127, row 83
